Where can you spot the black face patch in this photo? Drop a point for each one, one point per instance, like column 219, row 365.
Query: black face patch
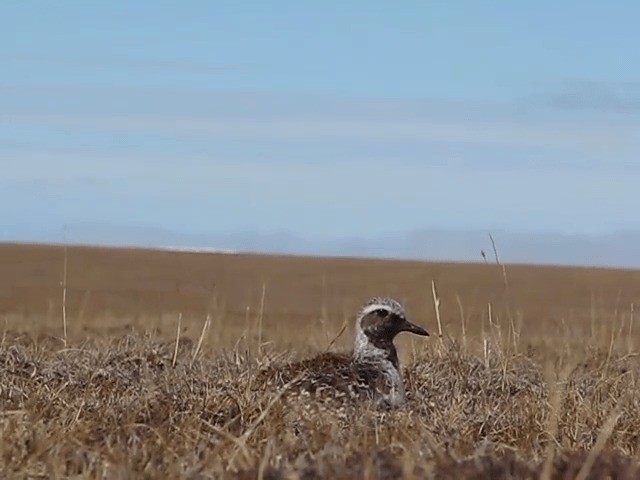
column 370, row 321
column 381, row 324
column 381, row 328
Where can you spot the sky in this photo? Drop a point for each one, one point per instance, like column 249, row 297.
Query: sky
column 325, row 120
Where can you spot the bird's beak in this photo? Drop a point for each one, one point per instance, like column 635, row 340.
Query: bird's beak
column 407, row 326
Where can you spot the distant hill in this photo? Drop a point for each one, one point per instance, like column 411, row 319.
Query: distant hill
column 620, row 249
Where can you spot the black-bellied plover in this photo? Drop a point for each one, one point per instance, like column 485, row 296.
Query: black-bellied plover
column 371, row 372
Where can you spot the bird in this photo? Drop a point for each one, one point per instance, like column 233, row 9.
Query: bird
column 372, row 370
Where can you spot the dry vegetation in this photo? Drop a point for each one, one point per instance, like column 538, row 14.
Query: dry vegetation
column 536, row 375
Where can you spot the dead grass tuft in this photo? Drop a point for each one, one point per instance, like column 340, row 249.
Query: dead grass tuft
column 116, row 406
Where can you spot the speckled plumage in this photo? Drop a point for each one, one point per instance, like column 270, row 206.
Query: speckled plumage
column 371, row 372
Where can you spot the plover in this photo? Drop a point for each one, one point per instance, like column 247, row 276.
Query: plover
column 371, row 372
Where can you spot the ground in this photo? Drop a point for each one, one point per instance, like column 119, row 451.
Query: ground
column 535, row 374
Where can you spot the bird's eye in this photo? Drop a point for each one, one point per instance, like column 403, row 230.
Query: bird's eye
column 383, row 313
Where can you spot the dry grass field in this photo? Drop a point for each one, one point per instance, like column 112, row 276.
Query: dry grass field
column 535, row 374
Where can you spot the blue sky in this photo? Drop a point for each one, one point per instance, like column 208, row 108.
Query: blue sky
column 339, row 119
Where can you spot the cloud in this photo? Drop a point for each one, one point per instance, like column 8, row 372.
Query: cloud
column 581, row 137
column 257, row 117
column 132, row 63
column 164, row 126
column 605, row 97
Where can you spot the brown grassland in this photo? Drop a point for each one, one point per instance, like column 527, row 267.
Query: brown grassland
column 153, row 372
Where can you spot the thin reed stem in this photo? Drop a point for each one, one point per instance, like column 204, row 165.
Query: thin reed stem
column 64, row 295
column 175, row 351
